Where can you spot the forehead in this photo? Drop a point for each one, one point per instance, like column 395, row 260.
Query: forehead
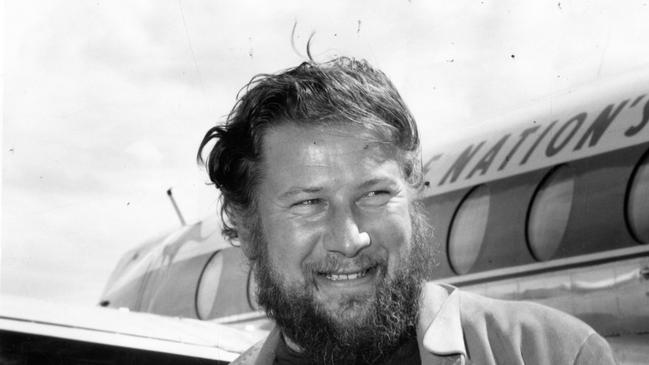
column 289, row 142
column 294, row 154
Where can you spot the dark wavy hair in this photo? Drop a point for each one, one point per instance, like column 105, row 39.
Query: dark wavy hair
column 341, row 92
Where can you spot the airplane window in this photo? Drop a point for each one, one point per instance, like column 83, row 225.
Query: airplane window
column 467, row 230
column 638, row 201
column 208, row 285
column 549, row 212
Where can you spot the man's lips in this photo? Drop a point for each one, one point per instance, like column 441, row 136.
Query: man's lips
column 334, row 272
column 347, row 275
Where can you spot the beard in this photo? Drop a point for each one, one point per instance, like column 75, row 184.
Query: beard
column 388, row 317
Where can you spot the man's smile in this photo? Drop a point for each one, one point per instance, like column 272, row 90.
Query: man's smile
column 344, row 275
column 352, row 276
column 360, row 279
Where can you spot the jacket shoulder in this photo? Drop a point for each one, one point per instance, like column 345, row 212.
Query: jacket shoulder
column 506, row 314
column 527, row 331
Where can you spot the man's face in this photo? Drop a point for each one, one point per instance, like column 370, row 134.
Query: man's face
column 334, row 209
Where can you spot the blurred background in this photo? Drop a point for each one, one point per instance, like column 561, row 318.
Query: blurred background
column 105, row 102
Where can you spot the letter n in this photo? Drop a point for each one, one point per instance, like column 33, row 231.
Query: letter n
column 459, row 164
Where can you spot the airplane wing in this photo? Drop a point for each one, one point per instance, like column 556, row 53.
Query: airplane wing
column 33, row 331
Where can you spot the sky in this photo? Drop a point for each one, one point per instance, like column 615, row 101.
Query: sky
column 105, row 102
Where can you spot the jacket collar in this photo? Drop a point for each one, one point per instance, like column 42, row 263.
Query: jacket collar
column 439, row 328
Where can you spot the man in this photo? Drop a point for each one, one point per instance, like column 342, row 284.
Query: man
column 318, row 168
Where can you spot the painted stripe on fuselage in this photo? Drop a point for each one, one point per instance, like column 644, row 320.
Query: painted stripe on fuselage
column 550, row 266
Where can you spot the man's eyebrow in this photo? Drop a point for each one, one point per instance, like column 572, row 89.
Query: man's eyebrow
column 295, row 190
column 376, row 181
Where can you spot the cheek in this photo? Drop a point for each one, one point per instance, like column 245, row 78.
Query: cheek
column 393, row 232
column 288, row 248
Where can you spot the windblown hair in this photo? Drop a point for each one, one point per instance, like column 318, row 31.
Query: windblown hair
column 341, row 92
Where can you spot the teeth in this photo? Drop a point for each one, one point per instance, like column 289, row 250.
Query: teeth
column 337, row 277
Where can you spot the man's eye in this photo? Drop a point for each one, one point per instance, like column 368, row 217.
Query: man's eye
column 376, row 198
column 307, row 206
column 306, row 202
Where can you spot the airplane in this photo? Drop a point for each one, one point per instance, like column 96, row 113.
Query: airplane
column 551, row 206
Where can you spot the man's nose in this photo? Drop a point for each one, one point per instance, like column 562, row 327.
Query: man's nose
column 344, row 236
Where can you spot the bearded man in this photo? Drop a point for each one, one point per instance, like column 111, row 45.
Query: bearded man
column 318, row 167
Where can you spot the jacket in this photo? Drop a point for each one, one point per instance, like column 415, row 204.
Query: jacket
column 461, row 328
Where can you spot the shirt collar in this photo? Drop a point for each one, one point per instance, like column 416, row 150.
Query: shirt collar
column 440, row 321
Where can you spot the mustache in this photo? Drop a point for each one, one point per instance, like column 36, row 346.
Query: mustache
column 335, row 263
